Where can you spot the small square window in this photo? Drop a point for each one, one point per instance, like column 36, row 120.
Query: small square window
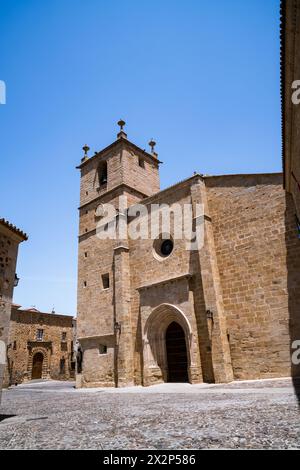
column 39, row 335
column 105, row 281
column 102, row 349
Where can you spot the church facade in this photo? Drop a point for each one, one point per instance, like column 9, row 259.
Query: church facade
column 150, row 310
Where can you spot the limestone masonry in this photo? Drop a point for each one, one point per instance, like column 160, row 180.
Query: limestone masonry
column 10, row 238
column 151, row 311
column 40, row 346
column 290, row 83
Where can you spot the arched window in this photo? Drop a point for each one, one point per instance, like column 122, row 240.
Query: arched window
column 102, row 173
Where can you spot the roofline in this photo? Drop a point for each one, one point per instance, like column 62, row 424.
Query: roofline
column 52, row 315
column 276, row 173
column 109, row 147
column 203, row 177
column 173, row 186
column 14, row 229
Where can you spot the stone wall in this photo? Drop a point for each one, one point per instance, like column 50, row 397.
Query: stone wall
column 10, row 237
column 251, row 219
column 23, row 344
column 290, row 73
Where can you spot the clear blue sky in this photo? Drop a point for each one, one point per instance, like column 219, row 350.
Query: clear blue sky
column 200, row 77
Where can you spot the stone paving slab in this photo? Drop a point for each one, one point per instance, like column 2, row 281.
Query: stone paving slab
column 54, row 415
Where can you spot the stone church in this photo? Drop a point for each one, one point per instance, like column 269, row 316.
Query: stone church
column 151, row 311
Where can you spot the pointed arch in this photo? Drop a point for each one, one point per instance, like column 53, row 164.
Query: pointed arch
column 154, row 339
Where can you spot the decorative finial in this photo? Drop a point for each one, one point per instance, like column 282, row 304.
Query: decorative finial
column 123, row 134
column 152, row 144
column 85, row 148
column 121, row 123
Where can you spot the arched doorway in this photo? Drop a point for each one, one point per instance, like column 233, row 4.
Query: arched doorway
column 37, row 366
column 176, row 353
column 158, row 356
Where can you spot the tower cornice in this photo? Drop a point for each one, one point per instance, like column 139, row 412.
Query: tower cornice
column 126, row 143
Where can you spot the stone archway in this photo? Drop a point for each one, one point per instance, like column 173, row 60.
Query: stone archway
column 155, row 353
column 38, row 354
column 37, row 366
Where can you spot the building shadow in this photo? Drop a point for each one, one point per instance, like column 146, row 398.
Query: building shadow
column 292, row 239
column 3, row 417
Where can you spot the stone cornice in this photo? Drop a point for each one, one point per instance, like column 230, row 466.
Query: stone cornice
column 165, row 281
column 125, row 143
column 110, row 191
column 121, row 248
column 35, row 344
column 95, row 337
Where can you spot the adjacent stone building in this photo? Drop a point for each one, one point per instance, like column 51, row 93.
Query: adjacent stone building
column 290, row 94
column 40, row 346
column 151, row 310
column 10, row 238
column 290, row 80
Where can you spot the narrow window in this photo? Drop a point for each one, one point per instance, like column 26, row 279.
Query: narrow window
column 102, row 349
column 15, row 345
column 105, row 281
column 85, row 254
column 84, row 284
column 141, row 162
column 298, row 226
column 64, row 336
column 62, row 366
column 102, row 173
column 39, row 335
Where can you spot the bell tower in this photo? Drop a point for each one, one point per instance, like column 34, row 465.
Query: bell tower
column 120, row 167
column 104, row 317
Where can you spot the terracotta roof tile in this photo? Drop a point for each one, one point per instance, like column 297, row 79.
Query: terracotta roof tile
column 14, row 229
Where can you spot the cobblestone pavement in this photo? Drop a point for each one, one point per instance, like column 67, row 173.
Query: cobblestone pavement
column 53, row 415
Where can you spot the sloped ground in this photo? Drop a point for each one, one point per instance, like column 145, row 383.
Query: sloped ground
column 242, row 415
